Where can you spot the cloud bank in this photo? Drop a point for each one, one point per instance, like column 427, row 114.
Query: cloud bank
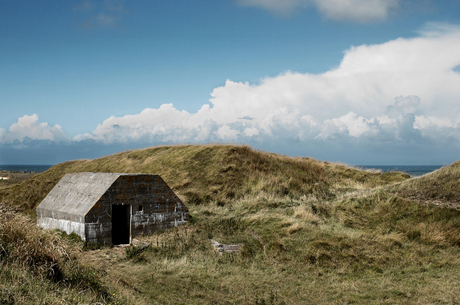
column 340, row 10
column 375, row 88
column 403, row 95
column 29, row 127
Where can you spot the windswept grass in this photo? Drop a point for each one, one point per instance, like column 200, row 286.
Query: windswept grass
column 378, row 249
column 14, row 178
column 313, row 233
column 212, row 173
column 441, row 186
column 39, row 267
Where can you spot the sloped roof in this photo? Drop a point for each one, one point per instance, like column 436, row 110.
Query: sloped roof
column 76, row 194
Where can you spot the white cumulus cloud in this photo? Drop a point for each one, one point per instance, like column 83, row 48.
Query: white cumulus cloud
column 29, row 126
column 403, row 90
column 377, row 91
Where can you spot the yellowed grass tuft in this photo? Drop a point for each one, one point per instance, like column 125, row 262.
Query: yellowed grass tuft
column 305, row 213
column 293, row 228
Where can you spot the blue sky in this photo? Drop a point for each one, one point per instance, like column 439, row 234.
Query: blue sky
column 355, row 81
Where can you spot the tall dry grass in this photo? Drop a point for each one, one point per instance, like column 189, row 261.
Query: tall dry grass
column 441, row 186
column 375, row 249
column 39, row 267
column 26, row 245
column 313, row 233
column 205, row 174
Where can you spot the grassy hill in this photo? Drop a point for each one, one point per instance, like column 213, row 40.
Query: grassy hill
column 41, row 267
column 439, row 188
column 313, row 233
column 14, row 178
column 205, row 174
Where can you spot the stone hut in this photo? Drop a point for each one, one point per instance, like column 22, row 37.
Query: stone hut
column 111, row 208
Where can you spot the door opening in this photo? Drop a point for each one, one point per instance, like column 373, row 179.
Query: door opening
column 120, row 224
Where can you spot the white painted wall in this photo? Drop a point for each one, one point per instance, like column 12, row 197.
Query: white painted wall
column 63, row 225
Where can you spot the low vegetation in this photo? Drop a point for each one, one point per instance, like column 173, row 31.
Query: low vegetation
column 40, row 267
column 439, row 188
column 216, row 174
column 313, row 233
column 13, row 178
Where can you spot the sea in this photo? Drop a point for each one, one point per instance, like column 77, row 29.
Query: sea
column 412, row 170
column 25, row 168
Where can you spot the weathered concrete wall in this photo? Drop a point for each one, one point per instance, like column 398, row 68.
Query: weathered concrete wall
column 154, row 207
column 46, row 213
column 82, row 203
column 75, row 195
column 99, row 232
column 148, row 223
column 63, row 225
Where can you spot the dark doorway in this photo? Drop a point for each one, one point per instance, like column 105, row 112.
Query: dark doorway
column 120, row 224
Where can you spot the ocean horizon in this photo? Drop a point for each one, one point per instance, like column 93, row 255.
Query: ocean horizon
column 412, row 170
column 25, row 168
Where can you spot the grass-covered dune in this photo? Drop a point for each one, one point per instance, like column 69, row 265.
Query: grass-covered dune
column 14, row 178
column 440, row 187
column 211, row 173
column 313, row 233
column 41, row 267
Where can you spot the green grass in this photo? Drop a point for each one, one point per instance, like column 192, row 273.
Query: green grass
column 441, row 186
column 313, row 233
column 14, row 178
column 41, row 267
column 216, row 174
column 309, row 258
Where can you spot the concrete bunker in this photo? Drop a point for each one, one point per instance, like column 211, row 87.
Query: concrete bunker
column 111, row 208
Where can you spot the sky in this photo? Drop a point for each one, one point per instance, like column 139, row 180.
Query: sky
column 355, row 81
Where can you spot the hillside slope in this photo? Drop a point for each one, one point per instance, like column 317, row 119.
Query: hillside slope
column 441, row 187
column 39, row 266
column 211, row 173
column 312, row 233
